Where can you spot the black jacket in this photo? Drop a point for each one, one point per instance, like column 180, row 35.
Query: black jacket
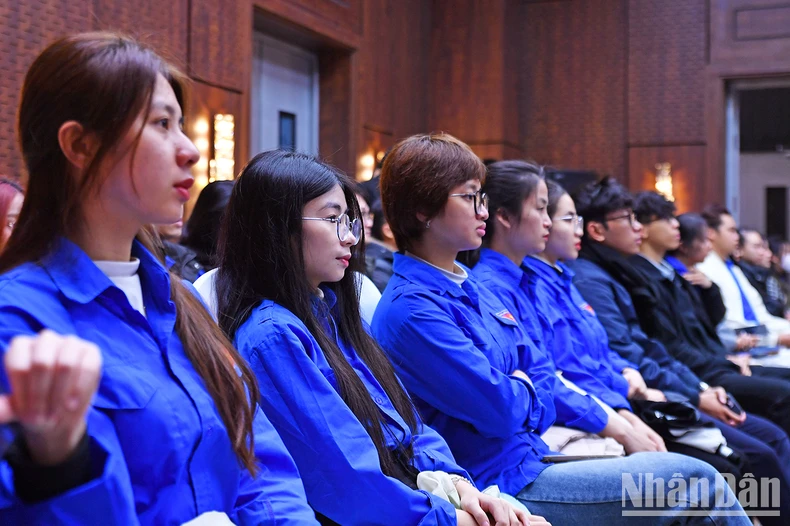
column 758, row 277
column 681, row 324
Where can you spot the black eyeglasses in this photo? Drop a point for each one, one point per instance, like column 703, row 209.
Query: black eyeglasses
column 631, row 216
column 479, row 198
column 345, row 226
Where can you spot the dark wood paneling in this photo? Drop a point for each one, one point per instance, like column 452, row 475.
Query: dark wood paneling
column 574, row 102
column 337, row 114
column 338, row 20
column 762, row 23
column 219, row 42
column 666, row 71
column 163, row 25
column 27, row 27
column 688, row 168
column 753, row 31
column 470, row 79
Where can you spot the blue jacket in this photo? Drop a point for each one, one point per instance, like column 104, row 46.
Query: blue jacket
column 455, row 348
column 615, row 310
column 160, row 448
column 584, row 356
column 515, row 287
column 338, row 460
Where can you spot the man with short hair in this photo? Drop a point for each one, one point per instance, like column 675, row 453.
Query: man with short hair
column 611, row 276
column 756, row 266
column 744, row 305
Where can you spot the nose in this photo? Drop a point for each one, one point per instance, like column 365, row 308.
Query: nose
column 350, row 240
column 187, row 154
column 483, row 214
column 637, row 226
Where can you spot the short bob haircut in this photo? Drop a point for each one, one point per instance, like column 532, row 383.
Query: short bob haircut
column 417, row 177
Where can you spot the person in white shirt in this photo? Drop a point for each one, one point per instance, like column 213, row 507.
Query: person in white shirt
column 744, row 304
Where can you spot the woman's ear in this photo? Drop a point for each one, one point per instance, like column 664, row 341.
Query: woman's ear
column 77, row 146
column 503, row 219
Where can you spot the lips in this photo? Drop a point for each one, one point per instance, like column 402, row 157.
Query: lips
column 481, row 230
column 182, row 187
column 345, row 260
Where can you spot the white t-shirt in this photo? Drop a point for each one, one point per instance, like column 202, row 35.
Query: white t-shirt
column 123, row 274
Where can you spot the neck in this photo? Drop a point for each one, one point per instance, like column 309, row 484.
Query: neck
column 104, row 237
column 435, row 254
column 652, row 253
column 549, row 258
column 516, row 256
column 722, row 254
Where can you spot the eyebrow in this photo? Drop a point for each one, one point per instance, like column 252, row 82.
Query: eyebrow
column 331, row 205
column 542, row 200
column 171, row 110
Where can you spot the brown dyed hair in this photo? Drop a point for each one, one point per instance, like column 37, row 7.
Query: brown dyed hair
column 8, row 190
column 105, row 81
column 417, row 176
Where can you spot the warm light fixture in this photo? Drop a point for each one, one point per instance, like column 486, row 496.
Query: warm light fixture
column 201, row 135
column 222, row 166
column 367, row 163
column 664, row 180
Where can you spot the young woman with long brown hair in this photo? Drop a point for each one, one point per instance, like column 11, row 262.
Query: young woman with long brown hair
column 130, row 405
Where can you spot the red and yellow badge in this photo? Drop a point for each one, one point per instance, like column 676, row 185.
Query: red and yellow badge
column 505, row 315
column 588, row 308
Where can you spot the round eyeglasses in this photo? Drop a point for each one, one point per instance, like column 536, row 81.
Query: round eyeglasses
column 345, row 226
column 479, row 198
column 576, row 220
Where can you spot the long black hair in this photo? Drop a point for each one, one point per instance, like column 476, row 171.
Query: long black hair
column 201, row 232
column 261, row 257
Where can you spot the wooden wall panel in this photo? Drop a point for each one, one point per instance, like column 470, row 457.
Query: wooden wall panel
column 27, row 27
column 337, row 20
column 220, row 42
column 756, row 32
column 688, row 168
column 163, row 25
column 666, row 71
column 574, row 102
column 337, row 114
column 469, row 76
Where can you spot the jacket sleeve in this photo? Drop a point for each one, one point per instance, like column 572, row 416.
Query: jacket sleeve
column 602, row 298
column 431, row 453
column 107, row 498
column 713, row 302
column 275, row 495
column 344, row 482
column 424, row 341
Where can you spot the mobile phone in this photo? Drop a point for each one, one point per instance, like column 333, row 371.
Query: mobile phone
column 733, row 405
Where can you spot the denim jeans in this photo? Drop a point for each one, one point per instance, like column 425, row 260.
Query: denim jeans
column 592, row 492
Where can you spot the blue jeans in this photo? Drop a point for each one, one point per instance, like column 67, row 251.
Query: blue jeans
column 592, row 492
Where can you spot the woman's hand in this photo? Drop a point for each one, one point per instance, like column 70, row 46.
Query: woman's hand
column 696, row 277
column 53, row 379
column 486, row 510
column 636, row 384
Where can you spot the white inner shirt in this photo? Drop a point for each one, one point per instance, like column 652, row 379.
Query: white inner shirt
column 123, row 274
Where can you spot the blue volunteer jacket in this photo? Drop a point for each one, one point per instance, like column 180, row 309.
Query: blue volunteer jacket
column 338, row 460
column 515, row 287
column 615, row 310
column 455, row 348
column 584, row 355
column 159, row 446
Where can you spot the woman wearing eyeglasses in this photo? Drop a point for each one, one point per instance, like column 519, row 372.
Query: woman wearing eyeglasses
column 11, row 198
column 287, row 298
column 467, row 362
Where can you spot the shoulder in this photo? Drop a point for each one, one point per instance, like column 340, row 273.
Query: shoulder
column 28, row 286
column 271, row 325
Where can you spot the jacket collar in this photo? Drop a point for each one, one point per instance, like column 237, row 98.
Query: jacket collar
column 426, row 276
column 81, row 281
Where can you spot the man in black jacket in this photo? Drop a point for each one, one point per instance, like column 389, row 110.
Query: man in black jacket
column 612, row 235
column 756, row 266
column 671, row 316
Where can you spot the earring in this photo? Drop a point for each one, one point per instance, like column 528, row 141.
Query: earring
column 428, row 224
